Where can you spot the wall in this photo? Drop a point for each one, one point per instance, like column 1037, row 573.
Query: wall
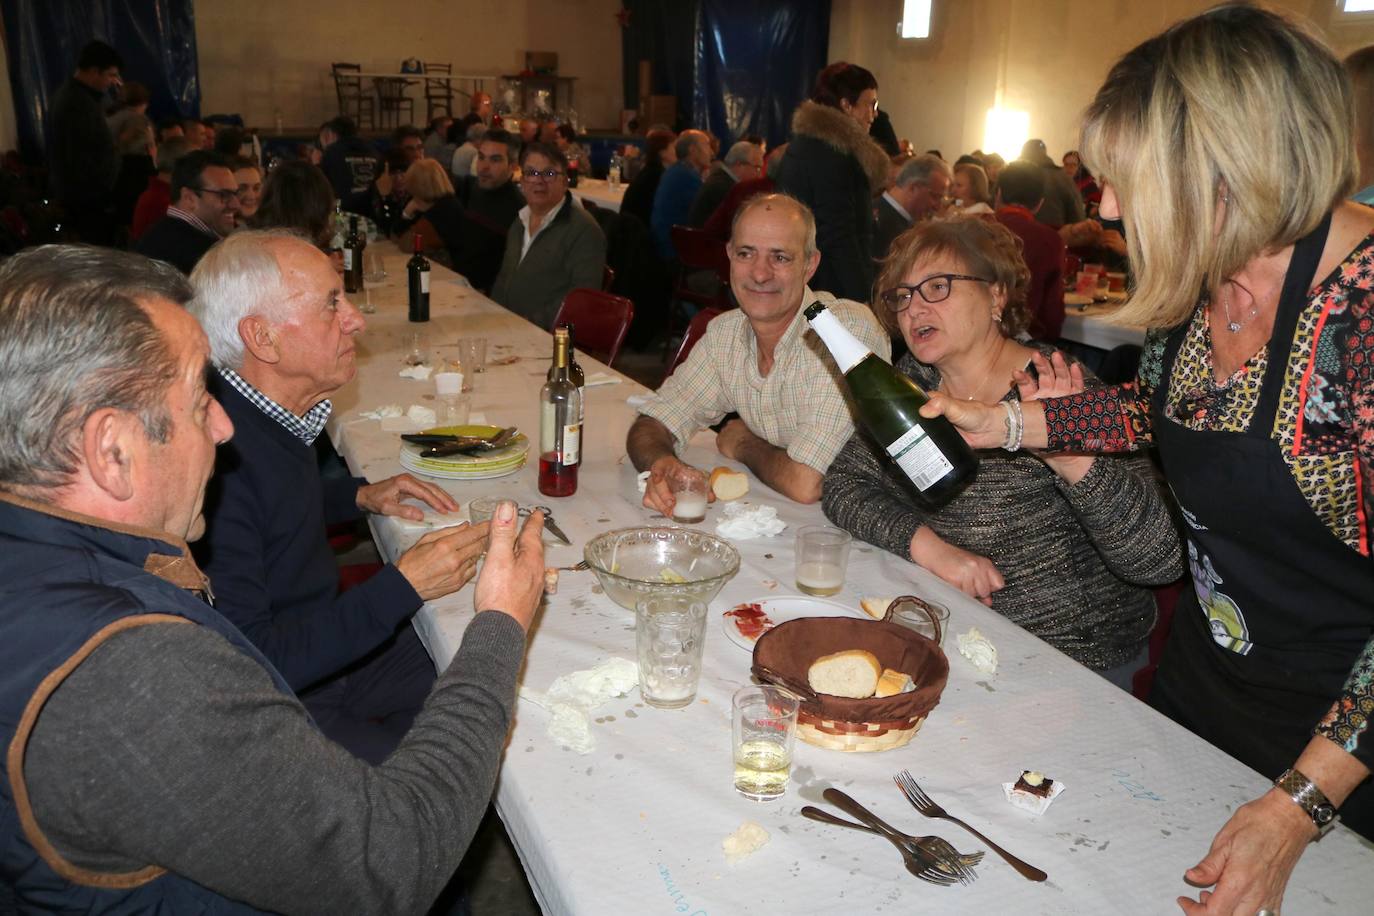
column 9, row 128
column 1048, row 57
column 258, row 57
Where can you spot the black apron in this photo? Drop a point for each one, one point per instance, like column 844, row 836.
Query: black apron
column 1280, row 607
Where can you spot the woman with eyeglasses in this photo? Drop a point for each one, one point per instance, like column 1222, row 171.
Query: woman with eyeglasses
column 1065, row 547
column 1256, row 276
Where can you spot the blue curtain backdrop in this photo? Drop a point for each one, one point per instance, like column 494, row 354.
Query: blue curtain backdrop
column 156, row 38
column 737, row 67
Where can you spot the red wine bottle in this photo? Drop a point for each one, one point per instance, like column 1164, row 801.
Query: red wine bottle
column 560, row 431
column 417, row 272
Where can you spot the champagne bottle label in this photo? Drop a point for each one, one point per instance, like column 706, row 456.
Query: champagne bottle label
column 920, row 458
column 424, row 282
column 572, row 444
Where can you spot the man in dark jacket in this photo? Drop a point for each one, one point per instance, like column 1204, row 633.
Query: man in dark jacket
column 555, row 246
column 167, row 764
column 204, row 202
column 678, row 188
column 281, row 349
column 83, row 163
column 350, row 163
column 1062, row 203
column 491, row 204
column 916, row 194
column 744, row 161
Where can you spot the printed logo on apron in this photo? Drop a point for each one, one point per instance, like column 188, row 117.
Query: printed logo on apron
column 1224, row 616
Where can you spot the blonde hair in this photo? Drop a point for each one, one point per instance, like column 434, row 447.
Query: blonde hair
column 428, row 181
column 984, row 247
column 978, row 181
column 1238, row 104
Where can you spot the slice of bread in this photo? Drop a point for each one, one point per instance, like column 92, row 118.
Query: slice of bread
column 728, row 484
column 894, row 682
column 875, row 607
column 852, row 673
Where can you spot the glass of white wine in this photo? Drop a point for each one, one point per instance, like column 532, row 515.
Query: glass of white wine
column 822, row 557
column 765, row 730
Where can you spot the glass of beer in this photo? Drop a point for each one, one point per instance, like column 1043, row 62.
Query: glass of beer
column 822, row 556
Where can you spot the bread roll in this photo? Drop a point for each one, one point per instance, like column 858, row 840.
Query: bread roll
column 876, row 607
column 728, row 484
column 894, row 682
column 852, row 673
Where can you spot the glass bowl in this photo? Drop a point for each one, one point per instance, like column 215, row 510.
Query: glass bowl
column 636, row 563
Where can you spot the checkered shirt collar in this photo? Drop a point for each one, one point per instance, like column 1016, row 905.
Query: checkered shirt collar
column 306, row 428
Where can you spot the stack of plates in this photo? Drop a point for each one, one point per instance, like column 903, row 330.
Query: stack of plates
column 480, row 466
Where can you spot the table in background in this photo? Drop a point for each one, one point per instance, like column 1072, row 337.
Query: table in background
column 636, row 826
column 1091, row 325
column 599, row 192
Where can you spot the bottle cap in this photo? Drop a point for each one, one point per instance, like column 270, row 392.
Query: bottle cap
column 813, row 310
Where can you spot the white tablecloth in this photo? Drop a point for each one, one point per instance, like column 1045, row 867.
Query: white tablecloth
column 1091, row 326
column 599, row 192
column 636, row 826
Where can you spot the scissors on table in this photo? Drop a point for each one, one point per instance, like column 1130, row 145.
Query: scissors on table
column 549, row 524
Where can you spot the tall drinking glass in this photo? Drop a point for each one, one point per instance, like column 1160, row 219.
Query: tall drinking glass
column 670, row 632
column 764, row 731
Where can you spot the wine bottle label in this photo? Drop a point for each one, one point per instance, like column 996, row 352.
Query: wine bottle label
column 920, row 458
column 572, row 444
column 348, row 258
column 424, row 281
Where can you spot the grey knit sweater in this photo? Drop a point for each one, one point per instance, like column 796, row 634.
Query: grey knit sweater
column 1074, row 557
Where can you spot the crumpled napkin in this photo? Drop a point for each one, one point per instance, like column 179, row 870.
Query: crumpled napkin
column 744, row 522
column 981, row 653
column 419, row 373
column 597, row 379
column 383, row 412
column 422, row 416
column 639, row 400
column 572, row 696
column 642, row 482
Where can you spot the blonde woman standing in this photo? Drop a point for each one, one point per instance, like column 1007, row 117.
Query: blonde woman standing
column 1257, row 385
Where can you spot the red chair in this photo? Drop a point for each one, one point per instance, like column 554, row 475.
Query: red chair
column 697, row 251
column 1166, row 598
column 695, row 329
column 600, row 320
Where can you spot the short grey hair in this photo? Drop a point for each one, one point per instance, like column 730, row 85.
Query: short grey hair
column 919, row 170
column 475, row 133
column 169, row 151
column 686, row 140
column 740, row 152
column 240, row 276
column 786, row 202
column 74, row 340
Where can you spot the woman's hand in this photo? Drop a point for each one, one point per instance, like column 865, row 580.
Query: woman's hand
column 1251, row 858
column 385, row 181
column 981, row 425
column 1057, row 377
column 972, row 574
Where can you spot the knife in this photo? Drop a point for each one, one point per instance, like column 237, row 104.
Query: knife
column 552, row 528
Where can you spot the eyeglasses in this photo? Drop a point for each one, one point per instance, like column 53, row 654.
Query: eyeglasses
column 547, row 175
column 932, row 289
column 224, row 196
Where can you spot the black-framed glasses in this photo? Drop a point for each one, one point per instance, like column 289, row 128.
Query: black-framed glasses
column 224, row 196
column 932, row 289
column 547, row 174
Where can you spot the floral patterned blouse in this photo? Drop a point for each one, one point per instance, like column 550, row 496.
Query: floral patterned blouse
column 1325, row 426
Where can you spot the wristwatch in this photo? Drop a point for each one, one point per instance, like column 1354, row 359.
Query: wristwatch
column 1309, row 798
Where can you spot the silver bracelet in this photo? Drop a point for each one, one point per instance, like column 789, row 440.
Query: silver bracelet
column 1016, row 425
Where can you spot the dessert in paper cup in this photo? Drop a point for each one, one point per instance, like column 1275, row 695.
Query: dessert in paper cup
column 1032, row 791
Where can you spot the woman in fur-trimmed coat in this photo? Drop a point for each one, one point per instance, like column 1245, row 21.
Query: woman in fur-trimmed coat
column 834, row 168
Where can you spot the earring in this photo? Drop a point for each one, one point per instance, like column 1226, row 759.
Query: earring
column 996, row 315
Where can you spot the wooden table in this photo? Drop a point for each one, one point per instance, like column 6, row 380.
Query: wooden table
column 636, row 825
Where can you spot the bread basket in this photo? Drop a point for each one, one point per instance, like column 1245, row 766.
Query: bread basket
column 783, row 655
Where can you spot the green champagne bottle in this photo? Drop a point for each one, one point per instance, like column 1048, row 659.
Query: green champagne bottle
column 930, row 452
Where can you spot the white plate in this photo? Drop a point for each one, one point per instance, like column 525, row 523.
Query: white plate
column 781, row 609
column 414, row 465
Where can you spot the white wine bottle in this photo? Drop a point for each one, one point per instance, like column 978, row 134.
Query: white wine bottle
column 929, row 451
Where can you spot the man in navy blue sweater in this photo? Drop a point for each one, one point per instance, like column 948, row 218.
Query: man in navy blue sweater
column 282, row 341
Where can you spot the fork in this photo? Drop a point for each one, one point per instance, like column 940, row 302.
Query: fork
column 949, row 859
column 923, row 803
column 918, row 861
column 849, row 806
column 576, row 567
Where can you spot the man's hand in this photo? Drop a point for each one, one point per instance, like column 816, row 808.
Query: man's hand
column 732, row 437
column 384, row 497
column 658, row 492
column 444, row 561
column 972, row 574
column 1251, row 858
column 512, row 579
